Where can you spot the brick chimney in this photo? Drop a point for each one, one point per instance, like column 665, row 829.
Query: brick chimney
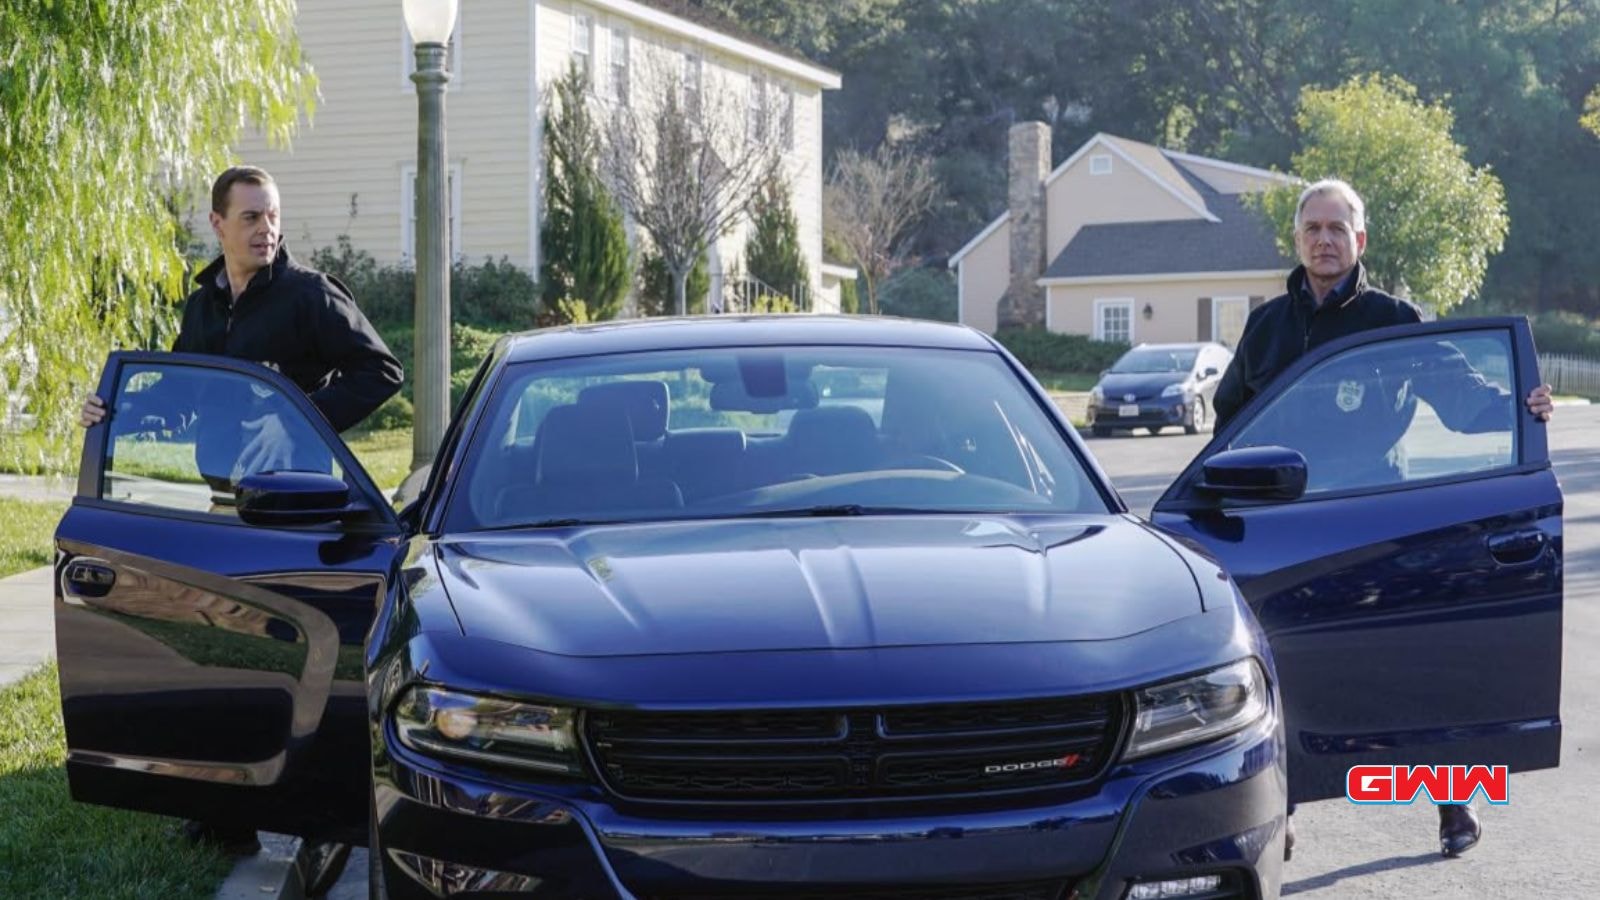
column 1028, row 162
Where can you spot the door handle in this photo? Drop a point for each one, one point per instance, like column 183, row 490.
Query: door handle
column 88, row 579
column 1518, row 547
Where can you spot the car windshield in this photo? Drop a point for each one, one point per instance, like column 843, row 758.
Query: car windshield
column 1151, row 360
column 743, row 432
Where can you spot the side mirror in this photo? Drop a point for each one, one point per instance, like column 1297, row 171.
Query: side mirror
column 1211, row 372
column 1256, row 473
column 293, row 498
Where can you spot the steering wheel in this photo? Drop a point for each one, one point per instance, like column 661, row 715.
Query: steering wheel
column 923, row 461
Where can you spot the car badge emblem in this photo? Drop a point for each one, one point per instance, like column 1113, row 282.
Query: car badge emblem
column 1349, row 397
column 1130, row 397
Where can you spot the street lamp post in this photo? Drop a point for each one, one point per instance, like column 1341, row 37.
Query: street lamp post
column 429, row 22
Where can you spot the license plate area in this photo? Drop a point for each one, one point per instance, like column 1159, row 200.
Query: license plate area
column 1128, row 410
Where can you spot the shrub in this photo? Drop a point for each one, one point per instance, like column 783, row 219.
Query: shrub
column 1052, row 351
column 493, row 293
column 396, row 412
column 1567, row 333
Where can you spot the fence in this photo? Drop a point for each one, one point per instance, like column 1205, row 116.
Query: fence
column 746, row 294
column 1572, row 375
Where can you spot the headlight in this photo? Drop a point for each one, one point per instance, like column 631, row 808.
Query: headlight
column 488, row 730
column 1173, row 390
column 1198, row 708
column 1096, row 396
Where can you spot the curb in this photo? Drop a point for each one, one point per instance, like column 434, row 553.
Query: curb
column 271, row 874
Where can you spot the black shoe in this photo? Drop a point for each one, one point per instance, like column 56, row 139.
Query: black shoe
column 1288, row 837
column 232, row 840
column 1459, row 829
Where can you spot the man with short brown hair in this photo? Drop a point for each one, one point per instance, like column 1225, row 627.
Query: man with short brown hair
column 256, row 302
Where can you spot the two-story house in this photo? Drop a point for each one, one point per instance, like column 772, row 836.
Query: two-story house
column 352, row 171
column 1122, row 241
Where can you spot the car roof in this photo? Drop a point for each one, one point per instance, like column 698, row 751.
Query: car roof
column 1193, row 345
column 689, row 332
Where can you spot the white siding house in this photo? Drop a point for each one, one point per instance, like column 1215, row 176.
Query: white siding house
column 351, row 171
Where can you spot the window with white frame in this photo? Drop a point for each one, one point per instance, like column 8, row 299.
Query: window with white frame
column 1113, row 320
column 1100, row 164
column 619, row 66
column 408, row 212
column 452, row 56
column 583, row 44
column 756, row 110
column 693, row 75
column 786, row 117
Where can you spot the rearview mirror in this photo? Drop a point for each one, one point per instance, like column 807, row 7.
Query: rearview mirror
column 1256, row 473
column 293, row 498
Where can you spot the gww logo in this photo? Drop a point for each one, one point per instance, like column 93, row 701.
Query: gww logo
column 1440, row 784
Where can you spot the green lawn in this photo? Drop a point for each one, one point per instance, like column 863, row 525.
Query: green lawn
column 26, row 529
column 386, row 455
column 1066, row 381
column 51, row 846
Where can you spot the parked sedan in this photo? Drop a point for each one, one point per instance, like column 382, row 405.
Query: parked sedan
column 808, row 607
column 1156, row 385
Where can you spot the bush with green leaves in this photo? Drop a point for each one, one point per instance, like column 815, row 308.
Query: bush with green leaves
column 492, row 294
column 920, row 294
column 1053, row 351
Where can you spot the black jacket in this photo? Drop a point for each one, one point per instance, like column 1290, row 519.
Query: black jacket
column 302, row 323
column 1286, row 327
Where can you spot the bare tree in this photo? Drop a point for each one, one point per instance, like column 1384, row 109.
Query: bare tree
column 874, row 203
column 685, row 165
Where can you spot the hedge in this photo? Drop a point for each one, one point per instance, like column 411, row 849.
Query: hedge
column 1051, row 351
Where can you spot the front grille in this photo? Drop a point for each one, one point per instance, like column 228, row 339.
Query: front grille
column 1038, row 890
column 861, row 754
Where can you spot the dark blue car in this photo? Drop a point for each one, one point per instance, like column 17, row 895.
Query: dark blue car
column 808, row 607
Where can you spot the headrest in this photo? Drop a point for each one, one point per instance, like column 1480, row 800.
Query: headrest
column 697, row 443
column 585, row 443
column 832, row 425
column 645, row 402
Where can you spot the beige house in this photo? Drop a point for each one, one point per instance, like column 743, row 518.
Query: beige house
column 1122, row 241
column 352, row 172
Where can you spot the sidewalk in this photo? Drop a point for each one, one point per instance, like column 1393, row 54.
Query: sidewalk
column 27, row 623
column 38, row 487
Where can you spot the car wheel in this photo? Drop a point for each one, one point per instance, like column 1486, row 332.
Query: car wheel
column 376, row 888
column 1101, row 431
column 1153, row 429
column 1197, row 417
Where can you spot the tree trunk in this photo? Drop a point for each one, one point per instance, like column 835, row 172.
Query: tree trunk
column 680, row 290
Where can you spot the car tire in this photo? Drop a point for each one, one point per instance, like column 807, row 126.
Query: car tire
column 1153, row 429
column 1101, row 431
column 1198, row 416
column 377, row 889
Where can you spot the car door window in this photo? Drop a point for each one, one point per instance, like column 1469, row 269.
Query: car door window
column 1398, row 411
column 181, row 437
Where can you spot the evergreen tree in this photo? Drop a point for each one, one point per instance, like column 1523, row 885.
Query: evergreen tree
column 773, row 254
column 585, row 247
column 655, row 286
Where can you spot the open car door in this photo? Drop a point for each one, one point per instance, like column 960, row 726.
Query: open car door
column 1412, row 590
column 210, row 668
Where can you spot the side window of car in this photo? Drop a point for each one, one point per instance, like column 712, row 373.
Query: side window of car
column 1399, row 411
column 181, row 438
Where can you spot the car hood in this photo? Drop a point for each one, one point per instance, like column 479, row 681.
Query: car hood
column 1144, row 385
column 805, row 584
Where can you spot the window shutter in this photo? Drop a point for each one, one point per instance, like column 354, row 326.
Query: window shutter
column 1203, row 318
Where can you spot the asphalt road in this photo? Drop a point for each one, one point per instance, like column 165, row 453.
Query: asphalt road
column 1545, row 843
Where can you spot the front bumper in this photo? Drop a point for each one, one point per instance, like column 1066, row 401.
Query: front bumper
column 1159, row 412
column 447, row 830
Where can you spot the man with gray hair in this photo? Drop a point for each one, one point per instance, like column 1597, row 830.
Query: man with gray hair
column 1329, row 298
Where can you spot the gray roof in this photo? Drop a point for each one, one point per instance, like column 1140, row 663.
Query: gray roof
column 1242, row 241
